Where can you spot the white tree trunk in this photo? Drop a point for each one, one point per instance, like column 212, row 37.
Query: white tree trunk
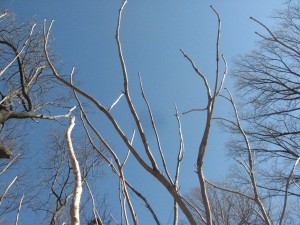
column 74, row 210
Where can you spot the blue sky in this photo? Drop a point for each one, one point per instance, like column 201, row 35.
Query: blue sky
column 152, row 33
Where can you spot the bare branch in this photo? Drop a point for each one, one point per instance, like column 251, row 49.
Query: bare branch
column 96, row 214
column 199, row 73
column 194, row 110
column 155, row 130
column 152, row 170
column 224, row 75
column 9, row 164
column 179, row 159
column 286, row 191
column 195, row 208
column 20, row 52
column 128, row 152
column 228, row 190
column 23, row 115
column 250, row 163
column 6, row 190
column 217, row 52
column 3, row 15
column 148, row 206
column 274, row 37
column 116, row 102
column 127, row 95
column 19, row 210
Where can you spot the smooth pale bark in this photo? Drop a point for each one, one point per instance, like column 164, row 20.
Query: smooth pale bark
column 75, row 206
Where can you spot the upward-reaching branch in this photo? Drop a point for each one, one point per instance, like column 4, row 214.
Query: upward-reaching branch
column 250, row 165
column 275, row 38
column 127, row 95
column 75, row 206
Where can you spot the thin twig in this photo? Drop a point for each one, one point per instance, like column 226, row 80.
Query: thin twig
column 96, row 214
column 3, row 15
column 194, row 208
column 194, row 110
column 286, row 191
column 179, row 159
column 148, row 206
column 127, row 95
column 224, row 74
column 199, row 73
column 217, row 52
column 274, row 36
column 128, row 152
column 153, row 169
column 229, row 190
column 7, row 188
column 19, row 210
column 155, row 130
column 9, row 164
column 116, row 102
column 20, row 52
column 250, row 163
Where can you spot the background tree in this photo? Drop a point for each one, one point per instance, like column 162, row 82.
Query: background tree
column 26, row 88
column 268, row 83
column 57, row 180
column 227, row 208
column 26, row 91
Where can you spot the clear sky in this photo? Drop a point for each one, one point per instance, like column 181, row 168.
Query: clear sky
column 152, row 33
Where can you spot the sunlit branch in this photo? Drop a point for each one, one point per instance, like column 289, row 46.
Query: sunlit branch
column 224, row 75
column 23, row 115
column 116, row 102
column 286, row 191
column 179, row 159
column 153, row 170
column 3, row 15
column 19, row 210
column 20, row 52
column 205, row 135
column 155, row 130
column 250, row 163
column 93, row 100
column 217, row 52
column 9, row 164
column 127, row 95
column 7, row 188
column 74, row 210
column 98, row 219
column 122, row 209
column 199, row 73
column 128, row 152
column 120, row 173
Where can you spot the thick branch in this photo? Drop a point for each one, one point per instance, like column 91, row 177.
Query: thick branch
column 75, row 206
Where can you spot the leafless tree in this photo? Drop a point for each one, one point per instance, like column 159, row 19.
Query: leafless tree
column 227, row 208
column 150, row 165
column 268, row 82
column 213, row 203
column 57, row 180
column 25, row 84
column 26, row 91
